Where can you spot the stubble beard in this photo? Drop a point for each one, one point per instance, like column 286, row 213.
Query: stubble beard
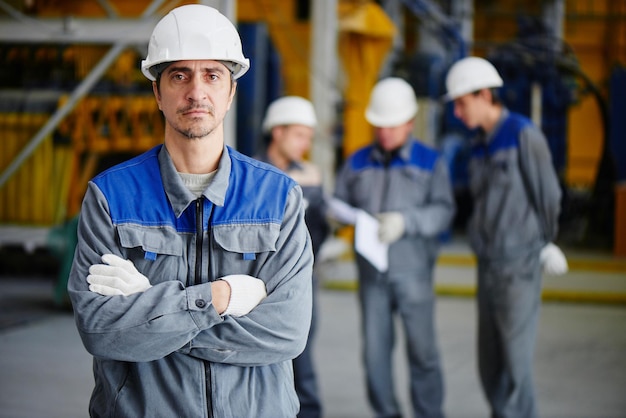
column 196, row 131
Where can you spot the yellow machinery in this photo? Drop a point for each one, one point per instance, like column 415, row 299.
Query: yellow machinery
column 103, row 124
column 48, row 187
column 365, row 37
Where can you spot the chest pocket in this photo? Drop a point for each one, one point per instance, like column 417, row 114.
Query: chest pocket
column 157, row 252
column 241, row 248
column 500, row 170
column 413, row 185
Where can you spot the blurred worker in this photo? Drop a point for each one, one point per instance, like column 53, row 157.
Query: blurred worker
column 290, row 124
column 191, row 282
column 405, row 184
column 516, row 204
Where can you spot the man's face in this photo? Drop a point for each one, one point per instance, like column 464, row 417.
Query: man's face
column 392, row 138
column 293, row 141
column 194, row 96
column 469, row 108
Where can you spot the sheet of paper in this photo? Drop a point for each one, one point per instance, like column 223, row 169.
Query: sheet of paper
column 366, row 241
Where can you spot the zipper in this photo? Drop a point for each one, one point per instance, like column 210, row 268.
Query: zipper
column 384, row 204
column 198, row 280
column 386, row 163
column 209, row 399
column 210, row 278
column 199, row 232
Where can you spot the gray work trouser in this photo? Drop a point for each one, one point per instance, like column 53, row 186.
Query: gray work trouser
column 509, row 298
column 411, row 296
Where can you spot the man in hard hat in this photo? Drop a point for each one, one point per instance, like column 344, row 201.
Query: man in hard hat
column 289, row 125
column 516, row 205
column 191, row 282
column 404, row 184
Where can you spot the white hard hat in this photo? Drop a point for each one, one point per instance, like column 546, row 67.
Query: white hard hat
column 469, row 75
column 289, row 110
column 195, row 32
column 392, row 103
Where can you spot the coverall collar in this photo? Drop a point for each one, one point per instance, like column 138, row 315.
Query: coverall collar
column 179, row 196
column 404, row 152
column 488, row 137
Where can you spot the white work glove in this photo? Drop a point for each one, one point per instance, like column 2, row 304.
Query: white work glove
column 553, row 260
column 340, row 211
column 246, row 292
column 116, row 277
column 391, row 226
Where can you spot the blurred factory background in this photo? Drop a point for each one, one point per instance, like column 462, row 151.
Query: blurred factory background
column 73, row 100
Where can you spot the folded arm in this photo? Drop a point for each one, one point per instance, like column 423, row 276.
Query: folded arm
column 277, row 329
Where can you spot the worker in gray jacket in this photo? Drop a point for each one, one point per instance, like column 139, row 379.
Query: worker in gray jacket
column 289, row 125
column 191, row 282
column 404, row 184
column 516, row 205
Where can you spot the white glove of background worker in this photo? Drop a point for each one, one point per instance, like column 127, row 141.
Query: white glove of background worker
column 120, row 277
column 340, row 211
column 116, row 277
column 553, row 260
column 391, row 226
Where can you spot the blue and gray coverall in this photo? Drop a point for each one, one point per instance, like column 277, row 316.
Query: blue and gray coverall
column 166, row 352
column 516, row 197
column 414, row 181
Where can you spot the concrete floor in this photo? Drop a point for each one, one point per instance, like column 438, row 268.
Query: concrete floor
column 580, row 363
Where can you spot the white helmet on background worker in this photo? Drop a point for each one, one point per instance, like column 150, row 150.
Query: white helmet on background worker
column 469, row 75
column 289, row 110
column 392, row 103
column 194, row 32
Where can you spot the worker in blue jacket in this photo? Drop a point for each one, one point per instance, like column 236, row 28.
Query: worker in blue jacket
column 516, row 205
column 404, row 184
column 191, row 281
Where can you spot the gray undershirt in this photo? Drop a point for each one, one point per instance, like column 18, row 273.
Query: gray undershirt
column 197, row 183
